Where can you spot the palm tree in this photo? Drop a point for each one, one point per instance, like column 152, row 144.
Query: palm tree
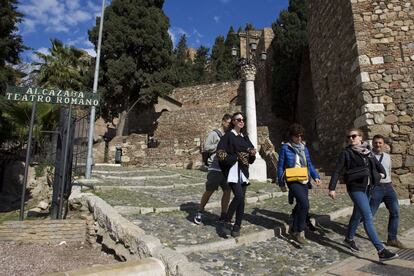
column 64, row 68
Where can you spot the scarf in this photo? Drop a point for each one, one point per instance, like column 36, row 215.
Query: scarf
column 362, row 149
column 300, row 151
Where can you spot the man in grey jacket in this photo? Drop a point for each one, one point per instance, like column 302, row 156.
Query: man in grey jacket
column 384, row 192
column 215, row 177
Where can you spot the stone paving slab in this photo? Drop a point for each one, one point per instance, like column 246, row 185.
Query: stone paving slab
column 170, row 182
column 367, row 264
column 279, row 256
column 177, row 228
column 174, row 197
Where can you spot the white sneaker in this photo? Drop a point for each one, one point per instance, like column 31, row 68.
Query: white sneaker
column 197, row 218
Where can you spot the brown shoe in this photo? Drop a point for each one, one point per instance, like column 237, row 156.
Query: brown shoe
column 396, row 243
column 298, row 237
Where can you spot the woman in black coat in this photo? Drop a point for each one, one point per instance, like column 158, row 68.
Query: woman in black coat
column 361, row 170
column 235, row 152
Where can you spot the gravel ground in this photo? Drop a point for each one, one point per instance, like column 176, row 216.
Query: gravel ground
column 37, row 259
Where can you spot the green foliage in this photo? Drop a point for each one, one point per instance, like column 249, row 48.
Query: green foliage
column 182, row 65
column 201, row 70
column 64, row 68
column 11, row 43
column 136, row 53
column 290, row 46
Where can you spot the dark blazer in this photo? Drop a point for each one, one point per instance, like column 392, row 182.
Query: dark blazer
column 233, row 148
column 349, row 159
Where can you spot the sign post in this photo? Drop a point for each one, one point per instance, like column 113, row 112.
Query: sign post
column 51, row 96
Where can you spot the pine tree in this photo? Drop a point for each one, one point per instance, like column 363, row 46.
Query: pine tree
column 290, row 47
column 201, row 66
column 217, row 59
column 231, row 68
column 11, row 43
column 136, row 54
column 181, row 68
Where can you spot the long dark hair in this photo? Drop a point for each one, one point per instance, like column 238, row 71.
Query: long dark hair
column 232, row 119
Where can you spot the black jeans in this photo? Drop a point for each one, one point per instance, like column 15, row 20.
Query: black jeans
column 300, row 193
column 237, row 204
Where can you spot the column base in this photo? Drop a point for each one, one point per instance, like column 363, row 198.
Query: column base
column 258, row 170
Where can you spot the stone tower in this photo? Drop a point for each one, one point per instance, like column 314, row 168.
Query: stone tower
column 362, row 61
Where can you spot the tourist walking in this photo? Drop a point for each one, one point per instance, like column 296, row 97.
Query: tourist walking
column 295, row 168
column 361, row 170
column 215, row 177
column 235, row 152
column 382, row 191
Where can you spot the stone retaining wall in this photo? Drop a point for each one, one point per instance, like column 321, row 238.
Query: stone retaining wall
column 44, row 231
column 130, row 242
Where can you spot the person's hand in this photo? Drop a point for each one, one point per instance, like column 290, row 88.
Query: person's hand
column 332, row 194
column 252, row 151
column 317, row 181
column 283, row 189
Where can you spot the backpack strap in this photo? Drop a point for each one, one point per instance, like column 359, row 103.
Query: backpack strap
column 218, row 133
column 380, row 160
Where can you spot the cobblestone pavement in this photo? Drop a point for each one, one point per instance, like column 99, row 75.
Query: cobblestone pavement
column 274, row 256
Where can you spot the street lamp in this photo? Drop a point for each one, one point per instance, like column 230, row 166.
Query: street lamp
column 248, row 68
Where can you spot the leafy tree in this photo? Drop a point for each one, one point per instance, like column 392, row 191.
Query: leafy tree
column 65, row 67
column 217, row 59
column 290, row 47
column 11, row 43
column 201, row 67
column 136, row 54
column 182, row 65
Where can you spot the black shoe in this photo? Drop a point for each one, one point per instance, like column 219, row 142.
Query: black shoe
column 235, row 232
column 223, row 218
column 311, row 227
column 386, row 255
column 351, row 244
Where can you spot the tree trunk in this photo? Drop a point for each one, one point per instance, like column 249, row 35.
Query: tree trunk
column 120, row 130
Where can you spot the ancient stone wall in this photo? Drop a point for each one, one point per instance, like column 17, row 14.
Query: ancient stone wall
column 332, row 44
column 362, row 58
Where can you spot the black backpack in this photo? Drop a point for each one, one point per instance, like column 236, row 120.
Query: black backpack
column 205, row 155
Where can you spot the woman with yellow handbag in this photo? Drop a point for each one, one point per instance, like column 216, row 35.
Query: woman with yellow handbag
column 295, row 168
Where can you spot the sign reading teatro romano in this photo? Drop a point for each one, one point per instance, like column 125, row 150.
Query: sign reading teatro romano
column 53, row 96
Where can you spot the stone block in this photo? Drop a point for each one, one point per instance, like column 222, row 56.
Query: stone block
column 391, row 107
column 396, row 160
column 400, row 147
column 369, row 86
column 372, row 108
column 363, row 120
column 405, row 129
column 385, row 99
column 379, row 129
column 391, row 119
column 407, row 178
column 409, row 161
column 377, row 60
column 364, row 60
column 379, row 118
column 363, row 77
column 405, row 119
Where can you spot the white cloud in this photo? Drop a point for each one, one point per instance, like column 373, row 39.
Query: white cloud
column 175, row 33
column 54, row 15
column 216, row 18
column 33, row 57
column 197, row 33
column 90, row 51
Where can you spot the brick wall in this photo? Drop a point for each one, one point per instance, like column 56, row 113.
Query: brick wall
column 43, row 231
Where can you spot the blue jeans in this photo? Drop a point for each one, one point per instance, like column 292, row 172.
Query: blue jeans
column 300, row 192
column 385, row 193
column 363, row 210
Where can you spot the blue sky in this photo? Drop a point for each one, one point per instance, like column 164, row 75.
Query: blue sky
column 201, row 20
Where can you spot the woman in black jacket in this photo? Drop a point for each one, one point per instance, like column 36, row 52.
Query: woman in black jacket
column 235, row 152
column 361, row 170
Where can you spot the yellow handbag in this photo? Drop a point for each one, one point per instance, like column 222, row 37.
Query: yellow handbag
column 296, row 174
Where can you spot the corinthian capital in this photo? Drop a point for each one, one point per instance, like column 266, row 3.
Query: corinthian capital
column 248, row 72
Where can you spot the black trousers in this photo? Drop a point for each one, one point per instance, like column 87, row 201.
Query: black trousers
column 237, row 204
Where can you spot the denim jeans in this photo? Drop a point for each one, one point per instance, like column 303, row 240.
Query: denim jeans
column 385, row 193
column 362, row 210
column 300, row 192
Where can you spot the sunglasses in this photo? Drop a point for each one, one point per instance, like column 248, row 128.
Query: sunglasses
column 239, row 120
column 353, row 136
column 298, row 135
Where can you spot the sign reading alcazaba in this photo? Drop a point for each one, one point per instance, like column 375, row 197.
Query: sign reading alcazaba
column 54, row 96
